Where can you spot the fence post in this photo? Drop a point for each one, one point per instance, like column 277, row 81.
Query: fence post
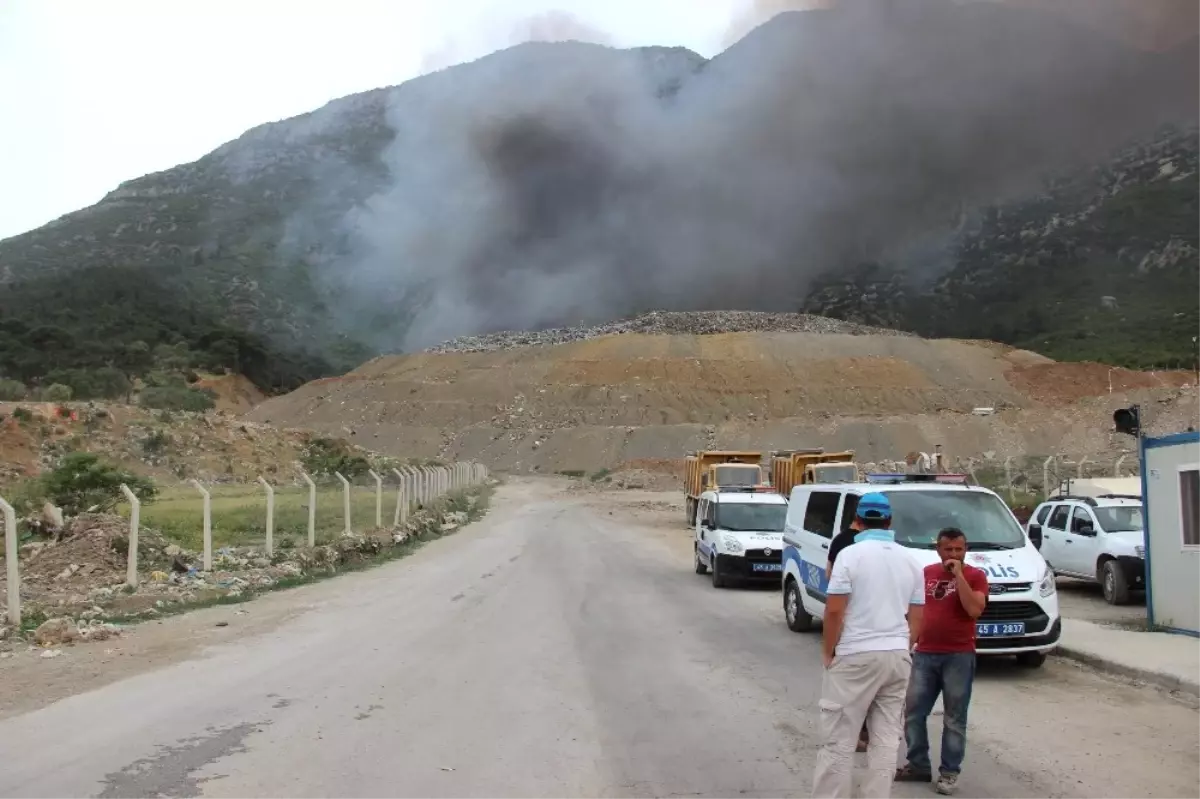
column 312, row 510
column 1117, row 467
column 1046, row 478
column 1008, row 479
column 425, row 479
column 345, row 501
column 270, row 545
column 378, row 498
column 207, row 524
column 135, row 518
column 399, row 498
column 1082, row 461
column 10, row 559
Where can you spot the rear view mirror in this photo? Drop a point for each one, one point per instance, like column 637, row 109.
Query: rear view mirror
column 1035, row 535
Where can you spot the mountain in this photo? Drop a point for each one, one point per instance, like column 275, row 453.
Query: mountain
column 559, row 184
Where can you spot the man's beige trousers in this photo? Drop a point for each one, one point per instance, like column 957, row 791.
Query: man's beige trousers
column 866, row 685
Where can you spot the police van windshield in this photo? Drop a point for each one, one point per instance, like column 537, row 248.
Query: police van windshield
column 917, row 516
column 1117, row 519
column 747, row 516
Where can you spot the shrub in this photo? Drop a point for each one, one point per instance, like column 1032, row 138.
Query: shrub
column 22, row 414
column 156, row 442
column 83, row 481
column 177, row 398
column 12, row 390
column 56, row 392
column 325, row 456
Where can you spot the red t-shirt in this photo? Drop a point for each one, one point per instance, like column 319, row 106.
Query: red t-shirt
column 945, row 626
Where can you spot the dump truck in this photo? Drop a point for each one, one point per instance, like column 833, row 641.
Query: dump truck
column 801, row 466
column 713, row 470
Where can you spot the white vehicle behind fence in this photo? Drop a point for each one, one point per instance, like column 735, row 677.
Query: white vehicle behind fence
column 1021, row 617
column 739, row 535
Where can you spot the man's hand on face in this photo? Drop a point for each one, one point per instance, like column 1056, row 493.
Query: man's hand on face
column 953, row 566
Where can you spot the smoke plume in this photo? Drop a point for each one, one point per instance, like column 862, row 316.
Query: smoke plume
column 559, row 183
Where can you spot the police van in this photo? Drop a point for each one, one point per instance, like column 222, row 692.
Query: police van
column 739, row 534
column 1021, row 617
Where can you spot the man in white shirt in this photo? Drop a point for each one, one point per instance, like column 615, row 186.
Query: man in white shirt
column 867, row 651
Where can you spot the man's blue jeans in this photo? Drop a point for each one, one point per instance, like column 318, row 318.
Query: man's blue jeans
column 951, row 676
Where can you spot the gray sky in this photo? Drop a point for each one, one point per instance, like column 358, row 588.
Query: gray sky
column 95, row 93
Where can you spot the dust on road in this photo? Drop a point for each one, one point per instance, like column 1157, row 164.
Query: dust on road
column 562, row 646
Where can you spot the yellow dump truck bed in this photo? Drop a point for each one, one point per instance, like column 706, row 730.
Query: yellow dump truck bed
column 788, row 468
column 712, row 469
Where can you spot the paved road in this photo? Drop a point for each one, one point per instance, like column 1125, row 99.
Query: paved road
column 554, row 649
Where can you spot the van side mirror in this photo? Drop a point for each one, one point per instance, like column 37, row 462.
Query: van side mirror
column 1086, row 528
column 706, row 524
column 1035, row 535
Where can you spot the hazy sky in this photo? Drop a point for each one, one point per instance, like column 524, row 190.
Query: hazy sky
column 95, row 93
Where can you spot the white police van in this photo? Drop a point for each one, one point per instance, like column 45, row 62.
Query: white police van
column 1021, row 617
column 739, row 535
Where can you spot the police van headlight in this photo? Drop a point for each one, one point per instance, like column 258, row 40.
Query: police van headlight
column 1047, row 586
column 732, row 544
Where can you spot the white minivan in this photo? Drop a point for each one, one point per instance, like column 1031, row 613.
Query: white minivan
column 1021, row 617
column 739, row 535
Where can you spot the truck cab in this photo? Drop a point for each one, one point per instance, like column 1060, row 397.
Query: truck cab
column 739, row 535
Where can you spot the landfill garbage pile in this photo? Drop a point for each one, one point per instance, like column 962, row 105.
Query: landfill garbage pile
column 697, row 323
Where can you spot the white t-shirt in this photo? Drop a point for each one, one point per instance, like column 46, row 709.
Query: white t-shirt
column 882, row 579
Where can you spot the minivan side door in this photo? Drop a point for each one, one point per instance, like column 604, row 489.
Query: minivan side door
column 702, row 542
column 820, row 515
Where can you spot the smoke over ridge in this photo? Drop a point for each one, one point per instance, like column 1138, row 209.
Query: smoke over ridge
column 563, row 183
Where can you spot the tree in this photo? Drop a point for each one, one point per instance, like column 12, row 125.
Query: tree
column 56, row 392
column 83, row 482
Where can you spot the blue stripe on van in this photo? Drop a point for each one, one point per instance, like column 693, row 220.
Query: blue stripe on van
column 813, row 575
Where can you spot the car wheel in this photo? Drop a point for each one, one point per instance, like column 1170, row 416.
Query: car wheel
column 718, row 579
column 1116, row 587
column 700, row 567
column 1031, row 660
column 798, row 620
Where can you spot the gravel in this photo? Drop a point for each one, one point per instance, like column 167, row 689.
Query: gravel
column 697, row 323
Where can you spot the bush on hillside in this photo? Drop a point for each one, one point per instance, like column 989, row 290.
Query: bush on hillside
column 12, row 390
column 327, row 456
column 82, row 481
column 177, row 398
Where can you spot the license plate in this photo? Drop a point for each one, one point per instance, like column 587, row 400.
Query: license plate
column 1000, row 628
column 766, row 567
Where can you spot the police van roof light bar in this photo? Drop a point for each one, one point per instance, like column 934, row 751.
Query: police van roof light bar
column 898, row 477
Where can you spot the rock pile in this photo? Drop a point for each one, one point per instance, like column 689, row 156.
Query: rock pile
column 696, row 323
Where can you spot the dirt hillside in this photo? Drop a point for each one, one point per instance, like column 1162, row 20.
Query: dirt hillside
column 166, row 446
column 601, row 402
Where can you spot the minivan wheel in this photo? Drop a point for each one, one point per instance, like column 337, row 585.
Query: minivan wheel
column 718, row 579
column 798, row 620
column 1116, row 587
column 1031, row 660
column 700, row 567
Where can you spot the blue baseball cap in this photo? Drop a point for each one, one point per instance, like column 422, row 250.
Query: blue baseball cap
column 874, row 506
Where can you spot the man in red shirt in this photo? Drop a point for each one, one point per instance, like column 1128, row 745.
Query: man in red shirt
column 944, row 662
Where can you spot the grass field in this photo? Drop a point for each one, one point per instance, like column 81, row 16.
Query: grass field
column 239, row 514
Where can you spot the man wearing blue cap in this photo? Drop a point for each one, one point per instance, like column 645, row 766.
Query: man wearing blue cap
column 867, row 642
